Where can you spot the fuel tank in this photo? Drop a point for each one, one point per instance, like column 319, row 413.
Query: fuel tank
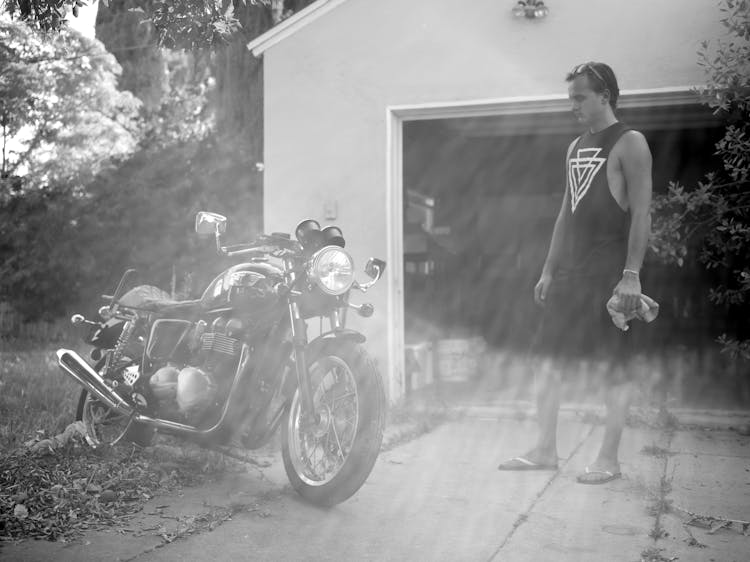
column 246, row 285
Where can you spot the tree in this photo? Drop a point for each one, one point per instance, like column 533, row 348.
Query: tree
column 222, row 27
column 203, row 136
column 713, row 218
column 47, row 15
column 61, row 113
column 38, row 254
column 184, row 24
column 141, row 215
column 63, row 120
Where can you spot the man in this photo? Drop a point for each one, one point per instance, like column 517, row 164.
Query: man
column 597, row 249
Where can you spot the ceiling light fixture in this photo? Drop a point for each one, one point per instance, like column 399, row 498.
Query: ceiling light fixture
column 530, row 9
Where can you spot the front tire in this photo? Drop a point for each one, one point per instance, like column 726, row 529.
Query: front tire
column 328, row 461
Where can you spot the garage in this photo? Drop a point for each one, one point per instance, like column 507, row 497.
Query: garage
column 377, row 112
column 481, row 198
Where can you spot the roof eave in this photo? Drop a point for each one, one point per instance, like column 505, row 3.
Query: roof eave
column 291, row 25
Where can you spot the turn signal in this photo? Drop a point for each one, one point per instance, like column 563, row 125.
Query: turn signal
column 366, row 310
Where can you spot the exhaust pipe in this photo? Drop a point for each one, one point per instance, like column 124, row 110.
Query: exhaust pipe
column 83, row 374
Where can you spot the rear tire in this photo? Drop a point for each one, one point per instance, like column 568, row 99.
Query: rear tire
column 106, row 428
column 328, row 461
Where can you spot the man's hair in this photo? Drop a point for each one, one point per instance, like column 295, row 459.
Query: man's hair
column 601, row 77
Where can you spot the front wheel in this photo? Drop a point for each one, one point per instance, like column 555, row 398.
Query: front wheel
column 329, row 455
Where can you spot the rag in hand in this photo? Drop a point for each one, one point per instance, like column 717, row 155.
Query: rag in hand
column 648, row 310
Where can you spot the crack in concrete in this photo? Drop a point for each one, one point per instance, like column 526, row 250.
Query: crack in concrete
column 523, row 517
column 660, row 506
column 208, row 521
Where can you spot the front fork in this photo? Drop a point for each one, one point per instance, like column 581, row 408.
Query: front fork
column 300, row 345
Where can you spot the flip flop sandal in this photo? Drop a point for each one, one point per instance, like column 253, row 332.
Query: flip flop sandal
column 522, row 463
column 597, row 476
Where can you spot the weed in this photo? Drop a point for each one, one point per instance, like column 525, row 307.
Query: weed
column 660, row 506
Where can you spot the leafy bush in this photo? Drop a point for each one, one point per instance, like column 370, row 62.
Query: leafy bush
column 714, row 216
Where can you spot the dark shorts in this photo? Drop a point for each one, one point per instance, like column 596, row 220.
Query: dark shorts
column 575, row 323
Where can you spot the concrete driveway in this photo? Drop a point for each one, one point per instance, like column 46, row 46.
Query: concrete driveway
column 684, row 495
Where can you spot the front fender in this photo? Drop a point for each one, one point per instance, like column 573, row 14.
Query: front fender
column 317, row 344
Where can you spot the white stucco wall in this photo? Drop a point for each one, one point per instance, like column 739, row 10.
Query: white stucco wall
column 329, row 84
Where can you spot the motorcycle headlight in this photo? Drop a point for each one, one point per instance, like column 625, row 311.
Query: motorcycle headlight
column 331, row 269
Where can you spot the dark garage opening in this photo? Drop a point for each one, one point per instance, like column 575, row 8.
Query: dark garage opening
column 480, row 198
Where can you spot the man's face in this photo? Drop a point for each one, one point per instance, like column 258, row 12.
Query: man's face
column 587, row 105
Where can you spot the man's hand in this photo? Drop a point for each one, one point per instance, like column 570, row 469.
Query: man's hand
column 541, row 288
column 629, row 291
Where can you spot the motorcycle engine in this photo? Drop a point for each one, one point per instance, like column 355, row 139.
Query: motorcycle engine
column 191, row 388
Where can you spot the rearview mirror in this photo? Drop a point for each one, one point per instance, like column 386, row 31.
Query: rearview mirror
column 210, row 223
column 375, row 268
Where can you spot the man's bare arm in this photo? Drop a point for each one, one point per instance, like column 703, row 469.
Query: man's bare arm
column 558, row 235
column 635, row 160
column 556, row 243
column 636, row 166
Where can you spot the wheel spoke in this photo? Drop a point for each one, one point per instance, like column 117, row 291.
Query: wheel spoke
column 338, row 441
column 349, row 394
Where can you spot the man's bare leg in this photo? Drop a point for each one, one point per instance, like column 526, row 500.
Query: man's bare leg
column 547, row 381
column 617, row 400
column 548, row 407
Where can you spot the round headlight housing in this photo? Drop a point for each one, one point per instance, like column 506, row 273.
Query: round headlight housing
column 332, row 270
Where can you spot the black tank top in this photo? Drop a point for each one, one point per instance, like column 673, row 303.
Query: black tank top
column 598, row 227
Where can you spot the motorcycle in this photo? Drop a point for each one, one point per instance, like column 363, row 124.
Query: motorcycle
column 228, row 369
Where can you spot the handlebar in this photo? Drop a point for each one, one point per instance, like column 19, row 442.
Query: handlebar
column 265, row 244
column 229, row 251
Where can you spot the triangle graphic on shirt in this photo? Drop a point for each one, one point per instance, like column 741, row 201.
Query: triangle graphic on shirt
column 581, row 172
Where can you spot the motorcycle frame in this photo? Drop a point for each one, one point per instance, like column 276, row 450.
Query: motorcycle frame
column 85, row 375
column 301, row 348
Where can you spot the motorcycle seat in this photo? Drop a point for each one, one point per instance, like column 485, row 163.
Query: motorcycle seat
column 171, row 307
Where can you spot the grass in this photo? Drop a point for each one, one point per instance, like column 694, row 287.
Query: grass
column 35, row 396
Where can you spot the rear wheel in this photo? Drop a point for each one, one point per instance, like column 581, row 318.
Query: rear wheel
column 105, row 427
column 329, row 455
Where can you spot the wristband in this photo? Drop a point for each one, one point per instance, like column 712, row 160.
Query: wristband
column 633, row 271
